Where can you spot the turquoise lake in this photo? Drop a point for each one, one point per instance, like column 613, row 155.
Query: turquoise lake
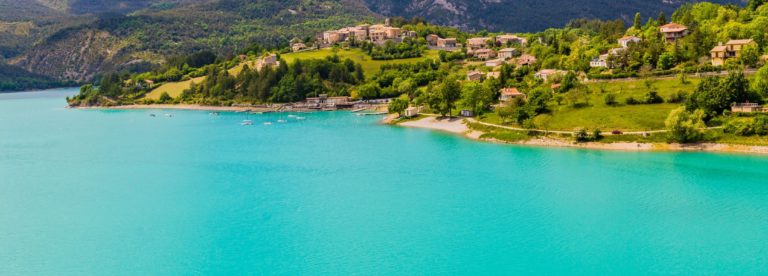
column 105, row 192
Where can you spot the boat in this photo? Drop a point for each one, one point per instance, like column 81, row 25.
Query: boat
column 371, row 113
column 282, row 121
column 214, row 113
column 168, row 115
column 291, row 116
column 358, row 110
column 300, row 118
column 267, row 123
column 246, row 123
column 152, row 115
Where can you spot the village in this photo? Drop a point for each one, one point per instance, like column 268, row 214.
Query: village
column 485, row 56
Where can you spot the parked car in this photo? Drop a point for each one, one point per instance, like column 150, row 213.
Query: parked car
column 617, row 132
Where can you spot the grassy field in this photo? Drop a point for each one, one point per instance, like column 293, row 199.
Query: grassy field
column 369, row 66
column 174, row 89
column 619, row 117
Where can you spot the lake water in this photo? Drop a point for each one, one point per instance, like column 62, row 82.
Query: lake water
column 105, row 192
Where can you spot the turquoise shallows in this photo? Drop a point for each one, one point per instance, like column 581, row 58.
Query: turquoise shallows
column 104, row 192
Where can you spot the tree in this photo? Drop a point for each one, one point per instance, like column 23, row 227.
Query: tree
column 637, row 24
column 569, row 82
column 368, row 91
column 470, row 96
column 450, row 92
column 662, row 18
column 666, row 61
column 749, row 56
column 507, row 111
column 754, row 4
column 652, row 97
column 399, row 104
column 684, row 126
column 715, row 95
column 760, row 83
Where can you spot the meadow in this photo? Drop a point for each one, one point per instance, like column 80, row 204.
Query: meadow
column 174, row 89
column 595, row 113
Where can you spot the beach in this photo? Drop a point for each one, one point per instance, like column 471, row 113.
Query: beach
column 459, row 126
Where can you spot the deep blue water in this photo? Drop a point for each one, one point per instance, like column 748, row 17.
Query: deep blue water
column 103, row 192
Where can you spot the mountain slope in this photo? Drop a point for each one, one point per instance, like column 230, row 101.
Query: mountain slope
column 114, row 41
column 521, row 15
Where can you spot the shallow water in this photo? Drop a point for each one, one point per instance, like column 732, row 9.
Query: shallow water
column 120, row 192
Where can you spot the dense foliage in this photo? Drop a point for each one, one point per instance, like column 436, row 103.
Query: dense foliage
column 14, row 79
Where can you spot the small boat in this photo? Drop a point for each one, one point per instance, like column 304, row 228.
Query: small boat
column 214, row 113
column 291, row 116
column 246, row 123
column 358, row 110
column 282, row 121
column 300, row 118
column 267, row 123
column 168, row 115
column 152, row 115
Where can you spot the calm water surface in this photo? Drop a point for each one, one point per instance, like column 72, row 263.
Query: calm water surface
column 120, row 192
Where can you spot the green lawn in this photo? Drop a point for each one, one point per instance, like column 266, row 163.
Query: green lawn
column 369, row 66
column 607, row 118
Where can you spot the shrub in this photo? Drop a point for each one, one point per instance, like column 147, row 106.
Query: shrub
column 631, row 101
column 652, row 97
column 165, row 98
column 610, row 99
column 684, row 126
column 677, row 97
column 581, row 135
column 597, row 134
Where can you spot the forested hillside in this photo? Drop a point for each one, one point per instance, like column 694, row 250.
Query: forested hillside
column 76, row 47
column 522, row 15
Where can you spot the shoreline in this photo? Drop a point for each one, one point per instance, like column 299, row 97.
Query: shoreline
column 458, row 126
column 176, row 107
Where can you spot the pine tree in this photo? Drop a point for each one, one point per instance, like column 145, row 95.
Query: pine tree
column 638, row 21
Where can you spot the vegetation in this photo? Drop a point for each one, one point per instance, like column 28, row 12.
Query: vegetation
column 15, row 79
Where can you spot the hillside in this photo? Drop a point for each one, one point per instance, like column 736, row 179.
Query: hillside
column 522, row 15
column 112, row 41
column 14, row 78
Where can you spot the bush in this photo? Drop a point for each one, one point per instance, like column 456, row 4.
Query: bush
column 760, row 125
column 631, row 101
column 677, row 97
column 684, row 126
column 597, row 134
column 652, row 97
column 165, row 98
column 610, row 99
column 581, row 135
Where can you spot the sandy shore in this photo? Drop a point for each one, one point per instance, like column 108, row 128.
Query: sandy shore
column 458, row 126
column 453, row 125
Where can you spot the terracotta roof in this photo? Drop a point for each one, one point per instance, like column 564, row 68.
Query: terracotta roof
column 483, row 51
column 507, row 50
column 739, row 41
column 471, row 73
column 673, row 28
column 720, row 48
column 629, row 37
column 512, row 91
